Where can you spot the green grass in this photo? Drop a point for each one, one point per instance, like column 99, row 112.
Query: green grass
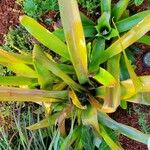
column 18, row 137
column 142, row 120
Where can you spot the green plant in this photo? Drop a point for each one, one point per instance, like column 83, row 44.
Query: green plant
column 4, row 71
column 142, row 120
column 83, row 84
column 18, row 39
column 137, row 2
column 90, row 5
column 36, row 8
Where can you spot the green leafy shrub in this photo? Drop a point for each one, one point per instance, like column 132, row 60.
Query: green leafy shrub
column 18, row 38
column 90, row 5
column 35, row 8
column 138, row 2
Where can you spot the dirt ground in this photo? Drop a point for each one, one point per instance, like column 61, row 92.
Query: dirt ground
column 130, row 117
column 9, row 14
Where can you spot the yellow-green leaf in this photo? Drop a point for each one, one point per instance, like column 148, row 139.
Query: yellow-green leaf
column 145, row 39
column 52, row 66
column 127, row 39
column 128, row 91
column 75, row 100
column 59, row 86
column 90, row 117
column 45, row 77
column 108, row 139
column 112, row 96
column 44, row 36
column 17, row 65
column 95, row 103
column 49, row 121
column 17, row 80
column 18, row 94
column 119, row 9
column 137, row 83
column 105, row 78
column 74, row 37
column 135, row 79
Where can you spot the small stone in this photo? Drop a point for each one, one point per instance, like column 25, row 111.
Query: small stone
column 146, row 59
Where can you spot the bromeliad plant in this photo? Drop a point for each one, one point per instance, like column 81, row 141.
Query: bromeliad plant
column 82, row 84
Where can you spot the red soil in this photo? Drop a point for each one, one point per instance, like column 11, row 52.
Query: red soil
column 130, row 117
column 9, row 14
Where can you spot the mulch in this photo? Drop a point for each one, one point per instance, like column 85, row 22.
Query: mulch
column 9, row 16
column 130, row 117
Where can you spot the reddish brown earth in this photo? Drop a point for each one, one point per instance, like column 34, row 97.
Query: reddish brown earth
column 9, row 14
column 130, row 117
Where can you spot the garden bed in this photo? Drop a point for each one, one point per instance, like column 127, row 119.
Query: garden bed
column 132, row 116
